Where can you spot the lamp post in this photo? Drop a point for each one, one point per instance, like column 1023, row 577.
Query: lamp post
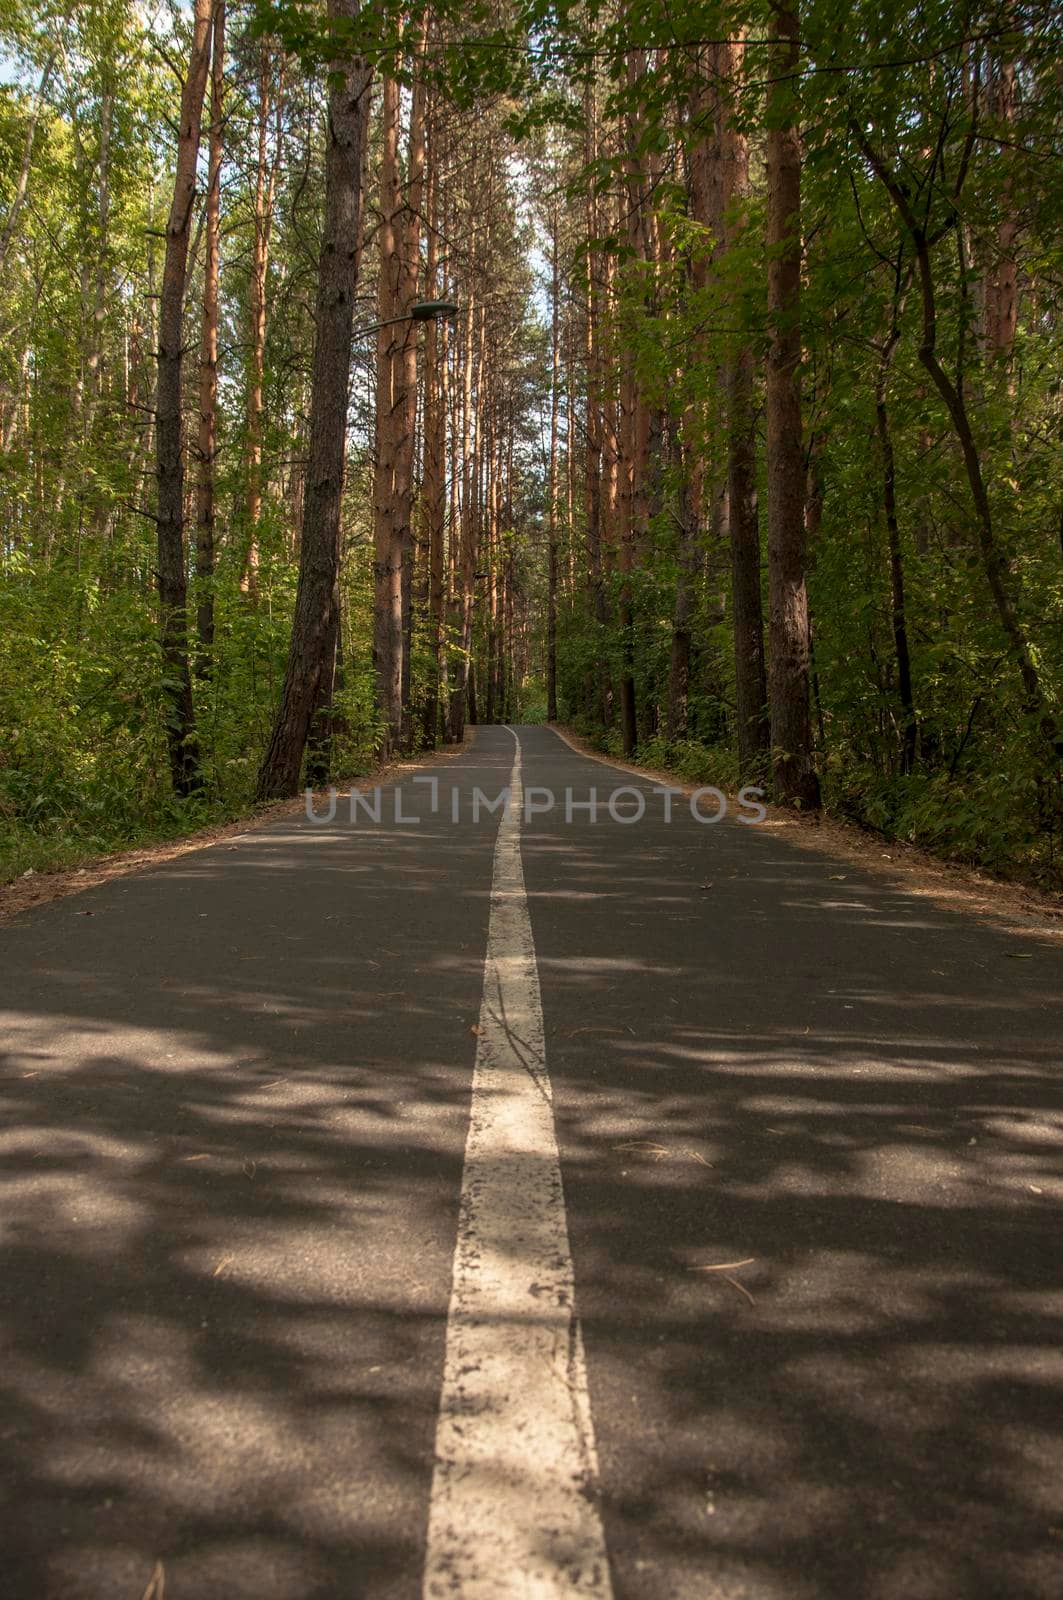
column 420, row 311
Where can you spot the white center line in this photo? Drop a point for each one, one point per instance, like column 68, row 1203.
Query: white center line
column 514, row 1494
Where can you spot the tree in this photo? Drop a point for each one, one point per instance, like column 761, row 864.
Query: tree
column 791, row 730
column 314, row 628
column 208, row 358
column 172, row 577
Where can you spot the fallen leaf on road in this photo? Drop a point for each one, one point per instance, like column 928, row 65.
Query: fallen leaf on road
column 156, row 1589
column 250, row 1168
column 726, row 1266
column 222, row 1264
column 644, row 1147
column 838, row 877
column 600, row 1027
column 477, row 1030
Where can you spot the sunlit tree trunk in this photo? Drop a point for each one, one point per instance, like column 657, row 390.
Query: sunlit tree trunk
column 311, row 656
column 433, row 484
column 208, row 354
column 172, row 578
column 552, row 489
column 265, row 185
column 396, row 402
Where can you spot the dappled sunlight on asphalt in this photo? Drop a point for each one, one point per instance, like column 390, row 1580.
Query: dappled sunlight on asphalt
column 856, row 1099
column 811, row 1171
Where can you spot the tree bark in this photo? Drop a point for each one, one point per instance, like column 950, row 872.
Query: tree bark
column 265, row 184
column 313, row 631
column 898, row 607
column 594, row 696
column 794, row 775
column 396, row 403
column 433, row 483
column 743, row 516
column 551, row 556
column 461, row 625
column 208, row 358
column 1002, row 287
column 634, row 438
column 172, row 577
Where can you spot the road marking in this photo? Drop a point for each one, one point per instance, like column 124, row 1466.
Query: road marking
column 514, row 1493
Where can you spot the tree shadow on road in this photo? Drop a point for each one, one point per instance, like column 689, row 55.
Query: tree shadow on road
column 856, row 1097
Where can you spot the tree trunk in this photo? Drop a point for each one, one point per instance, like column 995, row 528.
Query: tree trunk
column 410, row 267
column 634, row 438
column 172, row 577
column 551, row 559
column 677, row 717
column 396, row 403
column 594, row 390
column 994, row 565
column 208, row 359
column 461, row 624
column 791, row 729
column 743, row 516
column 433, row 484
column 18, row 199
column 1002, row 289
column 265, row 183
column 909, row 727
column 312, row 650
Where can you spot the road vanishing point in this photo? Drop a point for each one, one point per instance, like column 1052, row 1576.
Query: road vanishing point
column 516, row 1204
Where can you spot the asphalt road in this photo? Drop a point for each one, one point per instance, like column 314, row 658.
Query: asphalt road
column 236, row 1097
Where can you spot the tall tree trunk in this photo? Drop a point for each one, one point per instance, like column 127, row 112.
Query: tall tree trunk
column 909, row 726
column 594, row 394
column 791, row 728
column 551, row 557
column 433, row 483
column 265, row 184
column 18, row 199
column 387, row 537
column 410, row 269
column 466, row 564
column 94, row 354
column 1002, row 289
column 634, row 436
column 208, row 357
column 687, row 442
column 172, row 577
column 743, row 516
column 311, row 656
column 677, row 714
column 396, row 403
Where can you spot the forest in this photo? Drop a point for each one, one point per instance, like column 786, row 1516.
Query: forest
column 686, row 374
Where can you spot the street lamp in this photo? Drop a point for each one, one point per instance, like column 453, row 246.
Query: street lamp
column 420, row 311
column 433, row 311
